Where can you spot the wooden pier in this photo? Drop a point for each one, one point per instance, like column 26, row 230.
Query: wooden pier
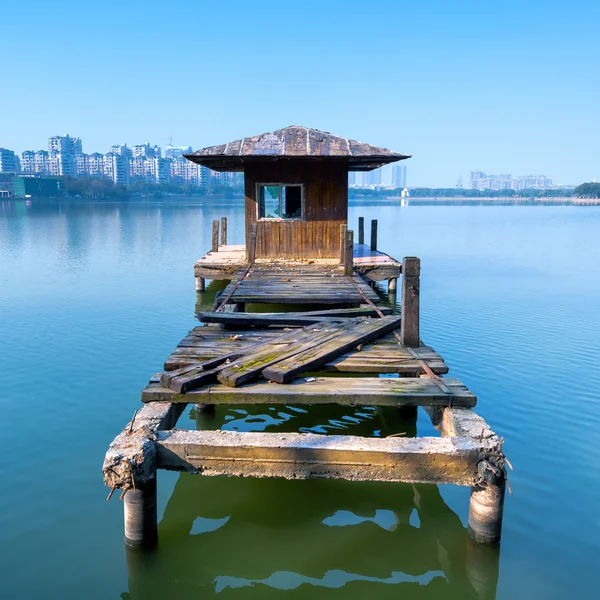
column 339, row 346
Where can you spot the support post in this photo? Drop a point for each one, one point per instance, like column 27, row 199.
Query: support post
column 200, row 284
column 409, row 328
column 374, row 235
column 139, row 507
column 223, row 231
column 343, row 229
column 215, row 236
column 392, row 285
column 361, row 230
column 251, row 247
column 349, row 254
column 485, row 510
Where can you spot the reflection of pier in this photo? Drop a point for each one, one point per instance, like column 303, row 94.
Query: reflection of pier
column 313, row 539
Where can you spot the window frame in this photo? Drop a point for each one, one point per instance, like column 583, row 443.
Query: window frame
column 279, row 184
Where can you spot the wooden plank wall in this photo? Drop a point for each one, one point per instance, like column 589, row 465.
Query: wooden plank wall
column 325, row 208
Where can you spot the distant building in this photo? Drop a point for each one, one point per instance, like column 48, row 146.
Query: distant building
column 7, row 185
column 116, row 168
column 399, row 176
column 9, row 163
column 177, row 151
column 483, row 181
column 65, row 144
column 34, row 186
column 145, row 150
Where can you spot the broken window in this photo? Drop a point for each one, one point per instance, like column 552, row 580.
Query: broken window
column 279, row 201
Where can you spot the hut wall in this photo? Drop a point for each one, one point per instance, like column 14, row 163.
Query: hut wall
column 317, row 235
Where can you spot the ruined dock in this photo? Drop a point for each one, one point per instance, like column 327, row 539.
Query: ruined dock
column 339, row 345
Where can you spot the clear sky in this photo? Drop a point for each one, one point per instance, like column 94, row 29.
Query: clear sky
column 505, row 87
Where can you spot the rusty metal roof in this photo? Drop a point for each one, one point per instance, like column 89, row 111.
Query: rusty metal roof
column 294, row 142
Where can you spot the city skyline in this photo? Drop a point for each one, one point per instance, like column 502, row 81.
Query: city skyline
column 388, row 176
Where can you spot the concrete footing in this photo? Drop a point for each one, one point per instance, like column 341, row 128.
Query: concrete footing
column 485, row 511
column 140, row 516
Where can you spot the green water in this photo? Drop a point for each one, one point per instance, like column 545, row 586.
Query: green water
column 93, row 298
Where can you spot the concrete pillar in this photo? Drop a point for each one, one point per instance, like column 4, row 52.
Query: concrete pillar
column 139, row 508
column 485, row 510
column 204, row 408
column 483, row 567
column 200, row 284
column 392, row 285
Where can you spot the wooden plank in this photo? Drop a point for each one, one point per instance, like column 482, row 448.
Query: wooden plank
column 306, row 455
column 251, row 247
column 287, row 319
column 312, row 359
column 343, row 231
column 251, row 365
column 353, row 391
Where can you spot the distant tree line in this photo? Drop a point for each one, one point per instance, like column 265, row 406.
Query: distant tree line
column 462, row 193
column 105, row 188
column 162, row 189
column 587, row 190
column 93, row 188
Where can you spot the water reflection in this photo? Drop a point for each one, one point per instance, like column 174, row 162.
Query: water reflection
column 311, row 539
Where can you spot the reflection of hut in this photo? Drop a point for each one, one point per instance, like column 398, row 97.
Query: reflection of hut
column 296, row 186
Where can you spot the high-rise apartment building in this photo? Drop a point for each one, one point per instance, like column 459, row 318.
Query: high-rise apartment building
column 177, row 151
column 116, row 168
column 9, row 163
column 65, row 144
column 145, row 150
column 399, row 176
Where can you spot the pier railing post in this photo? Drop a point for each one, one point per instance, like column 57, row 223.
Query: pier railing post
column 409, row 325
column 215, row 236
column 361, row 230
column 343, row 229
column 251, row 249
column 139, row 507
column 374, row 235
column 349, row 254
column 223, row 231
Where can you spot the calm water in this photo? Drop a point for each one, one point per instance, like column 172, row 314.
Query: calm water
column 93, row 297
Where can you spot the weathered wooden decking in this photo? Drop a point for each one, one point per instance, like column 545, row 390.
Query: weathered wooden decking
column 355, row 355
column 224, row 263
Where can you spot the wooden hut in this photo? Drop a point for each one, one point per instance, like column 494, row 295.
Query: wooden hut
column 296, row 186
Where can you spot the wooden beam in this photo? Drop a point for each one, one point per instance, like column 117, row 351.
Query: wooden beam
column 374, row 235
column 291, row 319
column 251, row 246
column 224, row 231
column 409, row 333
column 353, row 391
column 349, row 254
column 305, row 456
column 343, row 230
column 312, row 359
column 361, row 230
column 215, row 236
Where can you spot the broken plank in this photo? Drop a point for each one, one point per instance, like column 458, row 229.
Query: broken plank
column 309, row 455
column 353, row 391
column 311, row 359
column 252, row 364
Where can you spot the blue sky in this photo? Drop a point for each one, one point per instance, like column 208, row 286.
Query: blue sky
column 505, row 87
